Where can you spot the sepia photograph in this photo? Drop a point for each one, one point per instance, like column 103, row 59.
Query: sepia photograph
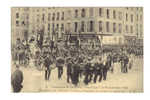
column 77, row 49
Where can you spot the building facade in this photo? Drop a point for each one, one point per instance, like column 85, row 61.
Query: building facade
column 116, row 25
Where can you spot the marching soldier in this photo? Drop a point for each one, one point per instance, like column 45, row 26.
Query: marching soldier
column 47, row 63
column 126, row 60
column 75, row 74
column 59, row 65
column 109, row 61
column 106, row 66
column 87, row 72
column 98, row 71
column 69, row 71
column 91, row 71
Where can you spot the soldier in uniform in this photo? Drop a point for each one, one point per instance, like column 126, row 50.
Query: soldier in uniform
column 87, row 72
column 47, row 63
column 80, row 62
column 75, row 74
column 126, row 60
column 109, row 61
column 106, row 66
column 91, row 70
column 60, row 69
column 98, row 71
column 69, row 70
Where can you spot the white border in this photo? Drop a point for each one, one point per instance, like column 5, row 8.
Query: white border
column 5, row 31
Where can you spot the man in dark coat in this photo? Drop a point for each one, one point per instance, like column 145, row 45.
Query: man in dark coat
column 60, row 70
column 17, row 79
column 47, row 63
column 106, row 67
column 69, row 71
column 109, row 60
column 87, row 72
column 98, row 71
column 75, row 74
column 126, row 60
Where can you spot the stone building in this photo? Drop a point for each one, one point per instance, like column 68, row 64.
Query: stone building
column 116, row 25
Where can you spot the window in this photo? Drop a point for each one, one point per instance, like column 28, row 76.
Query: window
column 100, row 26
column 91, row 26
column 82, row 26
column 17, row 23
column 131, row 29
column 23, row 23
column 91, row 11
column 137, row 29
column 100, row 12
column 114, row 27
column 107, row 26
column 114, row 14
column 57, row 27
column 141, row 30
column 49, row 17
column 131, row 18
column 107, row 13
column 76, row 26
column 141, row 17
column 58, row 16
column 126, row 17
column 43, row 17
column 62, row 18
column 17, row 15
column 120, row 15
column 83, row 13
column 53, row 17
column 76, row 13
column 62, row 27
column 126, row 28
column 53, row 27
column 137, row 17
column 48, row 27
column 120, row 28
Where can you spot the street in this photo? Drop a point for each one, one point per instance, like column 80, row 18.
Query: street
column 116, row 82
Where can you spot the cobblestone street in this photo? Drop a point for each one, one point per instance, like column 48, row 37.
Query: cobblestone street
column 132, row 81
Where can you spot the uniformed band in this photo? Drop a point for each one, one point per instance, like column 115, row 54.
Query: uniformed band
column 80, row 64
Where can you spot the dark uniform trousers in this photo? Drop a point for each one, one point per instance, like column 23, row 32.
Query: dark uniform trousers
column 105, row 73
column 91, row 74
column 105, row 69
column 75, row 75
column 60, row 71
column 48, row 70
column 125, row 68
column 87, row 74
column 69, row 71
column 98, row 72
column 47, row 74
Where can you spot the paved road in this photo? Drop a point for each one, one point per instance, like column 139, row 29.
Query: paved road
column 116, row 82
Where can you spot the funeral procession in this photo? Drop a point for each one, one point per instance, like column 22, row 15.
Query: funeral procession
column 77, row 49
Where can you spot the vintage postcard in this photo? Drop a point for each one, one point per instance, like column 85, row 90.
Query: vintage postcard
column 77, row 49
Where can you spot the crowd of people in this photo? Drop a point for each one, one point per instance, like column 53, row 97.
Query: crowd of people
column 80, row 63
